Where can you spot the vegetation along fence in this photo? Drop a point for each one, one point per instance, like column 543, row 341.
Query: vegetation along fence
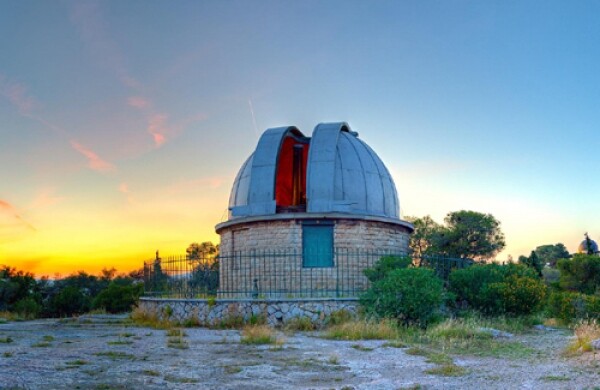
column 274, row 274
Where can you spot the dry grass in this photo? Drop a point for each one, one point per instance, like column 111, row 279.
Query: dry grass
column 465, row 336
column 9, row 316
column 150, row 318
column 302, row 324
column 259, row 334
column 363, row 330
column 447, row 370
column 585, row 333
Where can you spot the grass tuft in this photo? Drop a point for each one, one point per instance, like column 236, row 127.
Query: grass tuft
column 177, row 379
column 395, row 344
column 232, row 369
column 116, row 355
column 359, row 347
column 150, row 319
column 432, row 356
column 76, row 363
column 259, row 334
column 6, row 340
column 585, row 332
column 447, row 370
column 363, row 330
column 301, row 324
column 555, row 378
column 41, row 344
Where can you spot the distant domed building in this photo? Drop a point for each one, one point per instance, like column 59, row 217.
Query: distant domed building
column 314, row 197
column 588, row 245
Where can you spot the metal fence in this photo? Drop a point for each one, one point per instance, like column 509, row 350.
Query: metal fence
column 273, row 274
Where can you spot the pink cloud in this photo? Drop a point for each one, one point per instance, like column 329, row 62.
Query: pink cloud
column 124, row 188
column 8, row 209
column 157, row 126
column 138, row 102
column 94, row 161
column 46, row 198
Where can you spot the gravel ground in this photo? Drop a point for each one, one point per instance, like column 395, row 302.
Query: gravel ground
column 102, row 352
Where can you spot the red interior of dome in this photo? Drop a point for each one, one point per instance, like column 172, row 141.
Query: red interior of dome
column 284, row 184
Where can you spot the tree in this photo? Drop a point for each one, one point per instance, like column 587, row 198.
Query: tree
column 15, row 286
column 204, row 260
column 550, row 254
column 469, row 234
column 206, row 250
column 533, row 261
column 421, row 238
column 466, row 234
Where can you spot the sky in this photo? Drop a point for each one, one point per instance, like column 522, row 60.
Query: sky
column 124, row 123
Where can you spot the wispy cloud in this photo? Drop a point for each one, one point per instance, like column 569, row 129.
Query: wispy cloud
column 157, row 126
column 94, row 161
column 46, row 198
column 138, row 102
column 17, row 94
column 8, row 209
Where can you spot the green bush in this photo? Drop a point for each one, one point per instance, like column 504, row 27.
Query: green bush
column 69, row 301
column 498, row 289
column 27, row 308
column 385, row 265
column 581, row 274
column 15, row 286
column 409, row 295
column 118, row 297
column 571, row 306
column 518, row 295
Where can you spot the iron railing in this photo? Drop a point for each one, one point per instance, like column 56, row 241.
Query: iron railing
column 273, row 274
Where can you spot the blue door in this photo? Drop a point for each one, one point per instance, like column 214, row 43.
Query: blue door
column 317, row 245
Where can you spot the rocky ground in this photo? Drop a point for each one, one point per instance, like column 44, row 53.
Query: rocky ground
column 104, row 352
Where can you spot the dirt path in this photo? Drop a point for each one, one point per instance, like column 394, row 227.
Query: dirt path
column 101, row 355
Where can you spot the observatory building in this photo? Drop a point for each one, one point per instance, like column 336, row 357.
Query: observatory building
column 315, row 197
column 588, row 246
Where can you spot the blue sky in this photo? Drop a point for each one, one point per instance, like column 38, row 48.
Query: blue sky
column 123, row 123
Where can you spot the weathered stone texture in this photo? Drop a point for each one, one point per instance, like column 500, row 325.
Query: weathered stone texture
column 275, row 312
column 264, row 259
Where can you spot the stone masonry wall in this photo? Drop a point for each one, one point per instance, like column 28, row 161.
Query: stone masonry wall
column 275, row 312
column 247, row 272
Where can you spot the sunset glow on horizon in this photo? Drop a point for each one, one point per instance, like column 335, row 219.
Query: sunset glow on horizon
column 123, row 124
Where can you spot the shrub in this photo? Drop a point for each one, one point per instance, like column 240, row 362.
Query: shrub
column 69, row 301
column 410, row 295
column 517, row 295
column 582, row 273
column 385, row 265
column 27, row 307
column 15, row 286
column 118, row 298
column 570, row 306
column 497, row 289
